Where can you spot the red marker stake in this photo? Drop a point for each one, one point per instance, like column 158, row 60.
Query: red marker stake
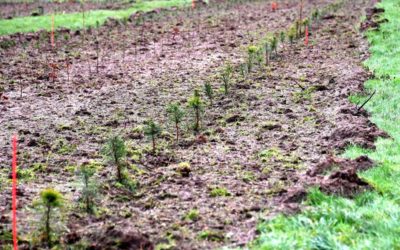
column 14, row 192
column 306, row 39
column 274, row 6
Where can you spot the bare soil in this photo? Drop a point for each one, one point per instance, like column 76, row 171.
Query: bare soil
column 257, row 142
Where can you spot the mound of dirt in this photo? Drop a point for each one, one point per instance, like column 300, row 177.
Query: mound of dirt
column 342, row 178
column 333, row 176
column 113, row 238
column 332, row 163
column 355, row 130
column 372, row 20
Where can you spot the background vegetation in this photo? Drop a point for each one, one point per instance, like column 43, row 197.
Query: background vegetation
column 75, row 21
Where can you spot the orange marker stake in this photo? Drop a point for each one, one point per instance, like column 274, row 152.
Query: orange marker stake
column 52, row 32
column 14, row 192
column 306, row 39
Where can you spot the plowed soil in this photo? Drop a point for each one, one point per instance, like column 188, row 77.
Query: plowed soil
column 257, row 142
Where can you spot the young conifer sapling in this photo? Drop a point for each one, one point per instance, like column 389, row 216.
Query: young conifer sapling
column 152, row 130
column 209, row 92
column 50, row 199
column 176, row 114
column 196, row 104
column 89, row 189
column 115, row 153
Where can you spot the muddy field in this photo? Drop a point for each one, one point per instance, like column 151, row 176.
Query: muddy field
column 9, row 10
column 258, row 145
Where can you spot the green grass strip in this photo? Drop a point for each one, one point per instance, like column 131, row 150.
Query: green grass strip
column 74, row 20
column 371, row 220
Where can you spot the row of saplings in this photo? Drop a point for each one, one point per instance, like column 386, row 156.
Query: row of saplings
column 115, row 150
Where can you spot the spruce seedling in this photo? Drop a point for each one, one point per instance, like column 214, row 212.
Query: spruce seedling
column 115, row 152
column 267, row 49
column 274, row 44
column 243, row 70
column 152, row 130
column 209, row 92
column 176, row 115
column 251, row 52
column 196, row 104
column 282, row 37
column 291, row 35
column 226, row 76
column 89, row 189
column 50, row 199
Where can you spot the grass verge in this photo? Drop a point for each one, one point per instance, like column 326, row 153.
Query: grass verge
column 74, row 20
column 372, row 219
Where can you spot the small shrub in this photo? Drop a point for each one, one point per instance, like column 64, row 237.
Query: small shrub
column 152, row 130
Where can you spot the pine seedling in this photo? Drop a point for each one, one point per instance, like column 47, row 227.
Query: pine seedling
column 196, row 104
column 115, row 152
column 315, row 15
column 251, row 51
column 50, row 200
column 152, row 130
column 306, row 23
column 243, row 70
column 282, row 37
column 226, row 76
column 267, row 49
column 209, row 92
column 291, row 35
column 89, row 189
column 274, row 45
column 259, row 56
column 176, row 115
